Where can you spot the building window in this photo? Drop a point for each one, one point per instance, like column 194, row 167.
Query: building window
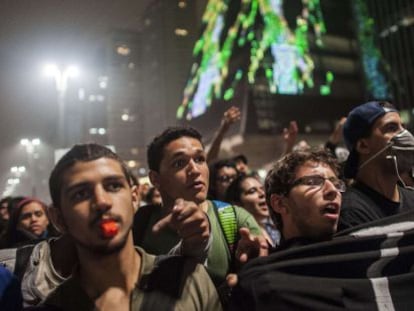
column 181, row 32
column 123, row 50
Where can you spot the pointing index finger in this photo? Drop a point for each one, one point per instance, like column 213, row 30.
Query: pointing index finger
column 167, row 220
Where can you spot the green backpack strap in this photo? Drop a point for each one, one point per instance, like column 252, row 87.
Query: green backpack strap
column 226, row 215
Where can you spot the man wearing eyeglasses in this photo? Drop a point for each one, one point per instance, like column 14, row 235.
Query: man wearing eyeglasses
column 312, row 270
column 304, row 193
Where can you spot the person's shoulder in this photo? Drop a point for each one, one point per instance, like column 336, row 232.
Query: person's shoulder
column 8, row 258
column 6, row 277
column 407, row 198
column 147, row 259
column 10, row 291
column 407, row 192
column 183, row 279
column 355, row 198
column 68, row 295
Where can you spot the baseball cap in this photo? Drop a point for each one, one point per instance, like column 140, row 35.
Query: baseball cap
column 357, row 125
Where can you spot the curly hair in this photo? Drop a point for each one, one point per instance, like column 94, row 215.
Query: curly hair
column 280, row 178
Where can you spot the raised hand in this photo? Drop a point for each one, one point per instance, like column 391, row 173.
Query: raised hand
column 250, row 246
column 230, row 116
column 336, row 136
column 190, row 223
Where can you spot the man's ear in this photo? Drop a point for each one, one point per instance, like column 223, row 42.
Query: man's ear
column 362, row 146
column 56, row 218
column 154, row 178
column 136, row 197
column 279, row 203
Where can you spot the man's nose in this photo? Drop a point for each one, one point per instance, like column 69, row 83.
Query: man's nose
column 102, row 199
column 330, row 191
column 192, row 167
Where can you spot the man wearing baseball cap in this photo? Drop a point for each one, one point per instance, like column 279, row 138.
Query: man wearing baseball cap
column 380, row 151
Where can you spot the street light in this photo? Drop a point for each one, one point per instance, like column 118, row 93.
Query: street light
column 18, row 170
column 61, row 77
column 30, row 144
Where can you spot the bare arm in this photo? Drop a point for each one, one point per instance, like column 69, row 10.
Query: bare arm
column 336, row 136
column 230, row 116
column 290, row 135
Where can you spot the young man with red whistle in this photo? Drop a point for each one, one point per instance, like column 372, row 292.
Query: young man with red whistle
column 94, row 203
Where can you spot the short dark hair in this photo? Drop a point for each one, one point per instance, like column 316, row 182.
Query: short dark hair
column 81, row 153
column 155, row 150
column 214, row 168
column 240, row 157
column 234, row 191
column 280, row 178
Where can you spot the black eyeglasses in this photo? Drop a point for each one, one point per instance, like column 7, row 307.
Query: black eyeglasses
column 226, row 178
column 317, row 181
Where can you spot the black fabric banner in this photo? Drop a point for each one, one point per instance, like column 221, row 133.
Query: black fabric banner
column 370, row 267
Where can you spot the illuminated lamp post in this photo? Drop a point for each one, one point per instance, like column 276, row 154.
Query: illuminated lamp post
column 61, row 79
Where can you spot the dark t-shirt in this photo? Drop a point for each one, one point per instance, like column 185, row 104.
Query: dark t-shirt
column 362, row 204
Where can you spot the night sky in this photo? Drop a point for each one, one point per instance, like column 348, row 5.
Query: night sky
column 33, row 32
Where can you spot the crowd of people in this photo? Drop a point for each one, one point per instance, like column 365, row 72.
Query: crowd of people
column 209, row 233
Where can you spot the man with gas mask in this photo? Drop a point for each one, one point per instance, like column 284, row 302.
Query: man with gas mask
column 381, row 150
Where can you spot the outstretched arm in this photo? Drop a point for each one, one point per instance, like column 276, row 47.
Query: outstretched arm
column 290, row 135
column 336, row 136
column 230, row 116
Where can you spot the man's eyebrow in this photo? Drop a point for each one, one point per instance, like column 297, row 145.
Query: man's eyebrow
column 177, row 154
column 75, row 186
column 181, row 153
column 116, row 178
column 82, row 184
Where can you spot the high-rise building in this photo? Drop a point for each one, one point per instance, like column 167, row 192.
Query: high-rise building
column 147, row 69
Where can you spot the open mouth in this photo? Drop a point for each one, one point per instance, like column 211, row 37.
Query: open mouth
column 197, row 185
column 331, row 210
column 263, row 204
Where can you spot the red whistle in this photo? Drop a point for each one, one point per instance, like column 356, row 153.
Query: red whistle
column 109, row 228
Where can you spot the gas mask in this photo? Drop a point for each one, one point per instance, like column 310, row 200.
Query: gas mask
column 402, row 149
column 401, row 152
